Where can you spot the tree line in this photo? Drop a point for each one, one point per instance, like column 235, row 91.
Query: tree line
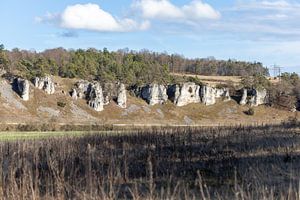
column 131, row 67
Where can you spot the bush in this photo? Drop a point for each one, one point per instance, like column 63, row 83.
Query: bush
column 61, row 104
column 250, row 111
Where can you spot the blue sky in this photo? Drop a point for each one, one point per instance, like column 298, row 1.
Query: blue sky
column 254, row 30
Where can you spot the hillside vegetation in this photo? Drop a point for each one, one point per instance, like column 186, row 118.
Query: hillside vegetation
column 129, row 67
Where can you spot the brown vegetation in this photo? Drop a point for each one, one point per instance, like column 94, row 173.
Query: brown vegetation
column 170, row 163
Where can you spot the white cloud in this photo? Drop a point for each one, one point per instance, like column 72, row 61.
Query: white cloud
column 164, row 10
column 49, row 17
column 268, row 5
column 92, row 17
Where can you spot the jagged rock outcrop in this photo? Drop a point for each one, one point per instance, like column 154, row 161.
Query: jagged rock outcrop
column 154, row 94
column 185, row 94
column 82, row 88
column 74, row 94
column 110, row 92
column 45, row 83
column 254, row 97
column 259, row 97
column 190, row 92
column 122, row 96
column 227, row 96
column 209, row 95
column 244, row 97
column 23, row 88
column 223, row 93
column 95, row 97
column 99, row 95
column 173, row 92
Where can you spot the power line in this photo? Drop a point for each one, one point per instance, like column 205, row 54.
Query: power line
column 277, row 71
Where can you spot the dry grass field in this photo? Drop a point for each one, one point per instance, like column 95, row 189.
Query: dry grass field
column 242, row 162
column 215, row 80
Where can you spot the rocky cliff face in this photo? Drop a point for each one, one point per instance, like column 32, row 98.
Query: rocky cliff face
column 81, row 89
column 45, row 83
column 193, row 93
column 209, row 95
column 186, row 93
column 74, row 94
column 122, row 96
column 244, row 97
column 259, row 97
column 23, row 87
column 95, row 97
column 254, row 97
column 99, row 95
column 154, row 94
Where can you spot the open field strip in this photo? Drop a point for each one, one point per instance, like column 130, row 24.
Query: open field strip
column 12, row 136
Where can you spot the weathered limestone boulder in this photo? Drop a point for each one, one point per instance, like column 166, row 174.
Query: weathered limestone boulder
column 95, row 97
column 110, row 92
column 99, row 95
column 23, row 88
column 82, row 88
column 209, row 95
column 154, row 94
column 223, row 93
column 254, row 97
column 45, row 83
column 122, row 97
column 173, row 92
column 188, row 93
column 259, row 97
column 74, row 94
column 244, row 97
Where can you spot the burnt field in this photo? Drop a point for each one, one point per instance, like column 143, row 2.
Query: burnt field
column 252, row 162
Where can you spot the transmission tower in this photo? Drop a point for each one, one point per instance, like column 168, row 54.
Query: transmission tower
column 277, row 71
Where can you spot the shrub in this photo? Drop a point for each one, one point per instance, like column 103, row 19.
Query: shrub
column 61, row 104
column 250, row 111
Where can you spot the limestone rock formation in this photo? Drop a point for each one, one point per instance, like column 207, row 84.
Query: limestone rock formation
column 244, row 97
column 186, row 93
column 259, row 97
column 45, row 83
column 173, row 92
column 209, row 95
column 122, row 97
column 74, row 94
column 227, row 95
column 82, row 88
column 110, row 92
column 23, row 87
column 223, row 93
column 154, row 94
column 95, row 97
column 99, row 95
column 254, row 97
column 190, row 92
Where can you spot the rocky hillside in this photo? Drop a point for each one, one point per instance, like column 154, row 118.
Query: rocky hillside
column 72, row 101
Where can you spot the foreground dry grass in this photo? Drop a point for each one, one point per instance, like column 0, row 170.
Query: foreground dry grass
column 157, row 163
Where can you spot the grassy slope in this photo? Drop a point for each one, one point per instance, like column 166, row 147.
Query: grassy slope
column 138, row 112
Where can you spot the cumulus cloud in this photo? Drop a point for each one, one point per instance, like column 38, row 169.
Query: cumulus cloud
column 92, row 17
column 164, row 10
